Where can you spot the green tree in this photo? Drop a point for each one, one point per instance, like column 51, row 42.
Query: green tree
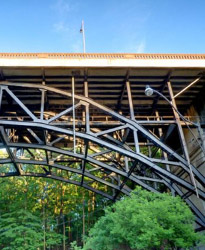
column 144, row 220
column 53, row 203
column 21, row 230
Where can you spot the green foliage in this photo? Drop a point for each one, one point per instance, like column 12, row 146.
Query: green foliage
column 22, row 230
column 27, row 203
column 59, row 205
column 144, row 221
column 74, row 246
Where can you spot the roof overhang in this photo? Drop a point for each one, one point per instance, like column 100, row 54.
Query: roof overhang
column 102, row 60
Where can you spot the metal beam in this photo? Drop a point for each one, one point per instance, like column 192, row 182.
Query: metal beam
column 24, row 108
column 162, row 87
column 64, row 112
column 94, row 139
column 132, row 115
column 117, row 145
column 10, row 153
column 146, row 162
column 181, row 134
column 132, row 123
column 122, row 92
column 187, row 87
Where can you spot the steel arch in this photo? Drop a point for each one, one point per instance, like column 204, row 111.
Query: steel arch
column 116, row 161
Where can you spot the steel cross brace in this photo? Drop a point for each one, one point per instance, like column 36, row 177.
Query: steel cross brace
column 103, row 139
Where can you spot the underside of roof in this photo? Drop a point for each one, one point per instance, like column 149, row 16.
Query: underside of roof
column 106, row 75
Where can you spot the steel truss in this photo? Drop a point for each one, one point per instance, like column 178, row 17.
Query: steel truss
column 98, row 158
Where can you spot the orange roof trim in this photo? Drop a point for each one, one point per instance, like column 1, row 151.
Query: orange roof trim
column 102, row 56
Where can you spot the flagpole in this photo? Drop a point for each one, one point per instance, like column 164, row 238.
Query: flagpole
column 82, row 30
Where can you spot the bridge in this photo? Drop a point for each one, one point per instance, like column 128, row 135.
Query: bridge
column 88, row 115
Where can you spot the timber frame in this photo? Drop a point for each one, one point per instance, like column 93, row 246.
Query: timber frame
column 89, row 123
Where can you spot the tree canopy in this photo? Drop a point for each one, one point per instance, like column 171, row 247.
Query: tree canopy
column 144, row 220
column 22, row 230
column 41, row 213
column 38, row 212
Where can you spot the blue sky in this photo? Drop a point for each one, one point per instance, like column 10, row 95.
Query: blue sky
column 135, row 26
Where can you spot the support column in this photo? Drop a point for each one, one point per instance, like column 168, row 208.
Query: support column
column 181, row 134
column 132, row 116
column 87, row 114
column 73, row 103
column 42, row 101
column 1, row 94
column 201, row 135
column 164, row 153
column 87, row 130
